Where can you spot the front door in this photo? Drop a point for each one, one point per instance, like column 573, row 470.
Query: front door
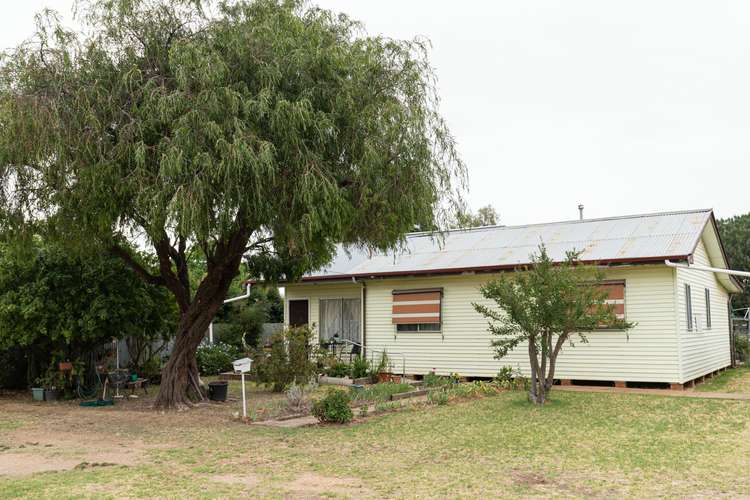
column 299, row 312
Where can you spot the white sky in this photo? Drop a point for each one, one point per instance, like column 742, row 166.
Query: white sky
column 627, row 107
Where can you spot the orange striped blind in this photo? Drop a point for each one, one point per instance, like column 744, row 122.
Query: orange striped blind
column 416, row 307
column 615, row 297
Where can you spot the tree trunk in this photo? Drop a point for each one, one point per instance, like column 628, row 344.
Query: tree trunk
column 180, row 378
column 535, row 395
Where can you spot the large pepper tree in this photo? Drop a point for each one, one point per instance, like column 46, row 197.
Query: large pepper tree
column 249, row 128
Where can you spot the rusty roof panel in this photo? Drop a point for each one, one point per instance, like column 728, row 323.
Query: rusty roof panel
column 636, row 238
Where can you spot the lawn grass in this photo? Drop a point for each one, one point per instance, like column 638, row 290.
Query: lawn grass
column 580, row 444
column 733, row 380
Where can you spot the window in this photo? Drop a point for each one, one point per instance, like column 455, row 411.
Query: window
column 615, row 298
column 418, row 327
column 417, row 310
column 689, row 307
column 339, row 317
column 708, row 308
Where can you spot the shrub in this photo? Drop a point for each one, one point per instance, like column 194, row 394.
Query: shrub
column 288, row 360
column 508, row 378
column 298, row 396
column 438, row 397
column 360, row 367
column 338, row 369
column 741, row 347
column 433, row 380
column 384, row 366
column 334, row 407
column 216, row 358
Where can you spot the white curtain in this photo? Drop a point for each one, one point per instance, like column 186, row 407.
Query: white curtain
column 340, row 317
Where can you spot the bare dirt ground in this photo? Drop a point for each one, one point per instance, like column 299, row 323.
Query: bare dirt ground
column 604, row 445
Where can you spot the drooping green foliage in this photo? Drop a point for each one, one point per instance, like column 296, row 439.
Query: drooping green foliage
column 735, row 233
column 260, row 128
column 542, row 306
column 284, row 121
column 55, row 306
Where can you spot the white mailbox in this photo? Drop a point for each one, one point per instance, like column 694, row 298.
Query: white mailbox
column 242, row 365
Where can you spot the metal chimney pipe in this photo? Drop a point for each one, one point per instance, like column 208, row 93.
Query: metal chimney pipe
column 580, row 211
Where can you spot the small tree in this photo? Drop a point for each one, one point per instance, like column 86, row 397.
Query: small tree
column 543, row 305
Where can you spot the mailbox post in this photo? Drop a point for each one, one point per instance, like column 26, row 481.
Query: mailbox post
column 242, row 366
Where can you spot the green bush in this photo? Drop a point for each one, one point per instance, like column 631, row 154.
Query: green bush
column 741, row 347
column 216, row 358
column 338, row 369
column 287, row 361
column 438, row 397
column 505, row 377
column 360, row 367
column 433, row 380
column 334, row 407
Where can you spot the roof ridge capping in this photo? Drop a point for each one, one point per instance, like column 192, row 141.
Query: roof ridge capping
column 569, row 221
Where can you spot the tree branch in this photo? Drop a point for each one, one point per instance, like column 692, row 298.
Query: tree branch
column 164, row 251
column 136, row 266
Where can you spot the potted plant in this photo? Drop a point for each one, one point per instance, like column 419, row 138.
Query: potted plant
column 37, row 392
column 384, row 368
column 51, row 384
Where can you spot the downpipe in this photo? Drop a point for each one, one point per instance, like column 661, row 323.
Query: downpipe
column 228, row 301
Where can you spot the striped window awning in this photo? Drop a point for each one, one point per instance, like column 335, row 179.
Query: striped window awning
column 615, row 297
column 416, row 306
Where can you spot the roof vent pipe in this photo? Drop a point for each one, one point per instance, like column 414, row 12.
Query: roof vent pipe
column 580, row 211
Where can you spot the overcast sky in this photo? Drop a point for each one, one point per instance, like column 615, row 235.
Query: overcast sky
column 626, row 107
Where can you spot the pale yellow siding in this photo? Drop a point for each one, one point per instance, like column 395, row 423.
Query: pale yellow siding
column 658, row 349
column 649, row 354
column 316, row 291
column 702, row 350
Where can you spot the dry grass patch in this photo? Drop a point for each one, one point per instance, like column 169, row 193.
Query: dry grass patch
column 581, row 444
column 733, row 380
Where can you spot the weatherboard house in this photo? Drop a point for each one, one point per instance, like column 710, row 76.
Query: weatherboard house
column 416, row 304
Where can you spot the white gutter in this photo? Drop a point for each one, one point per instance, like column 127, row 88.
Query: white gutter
column 707, row 269
column 240, row 297
column 228, row 301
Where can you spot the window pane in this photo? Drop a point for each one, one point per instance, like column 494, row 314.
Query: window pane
column 708, row 308
column 350, row 320
column 407, row 327
column 330, row 318
column 429, row 327
column 688, row 307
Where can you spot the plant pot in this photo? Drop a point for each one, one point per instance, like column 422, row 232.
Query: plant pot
column 65, row 366
column 384, row 377
column 50, row 394
column 217, row 391
column 37, row 393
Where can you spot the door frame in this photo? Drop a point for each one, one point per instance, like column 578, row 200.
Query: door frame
column 288, row 310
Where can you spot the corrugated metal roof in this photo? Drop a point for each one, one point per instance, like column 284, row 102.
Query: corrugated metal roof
column 634, row 238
